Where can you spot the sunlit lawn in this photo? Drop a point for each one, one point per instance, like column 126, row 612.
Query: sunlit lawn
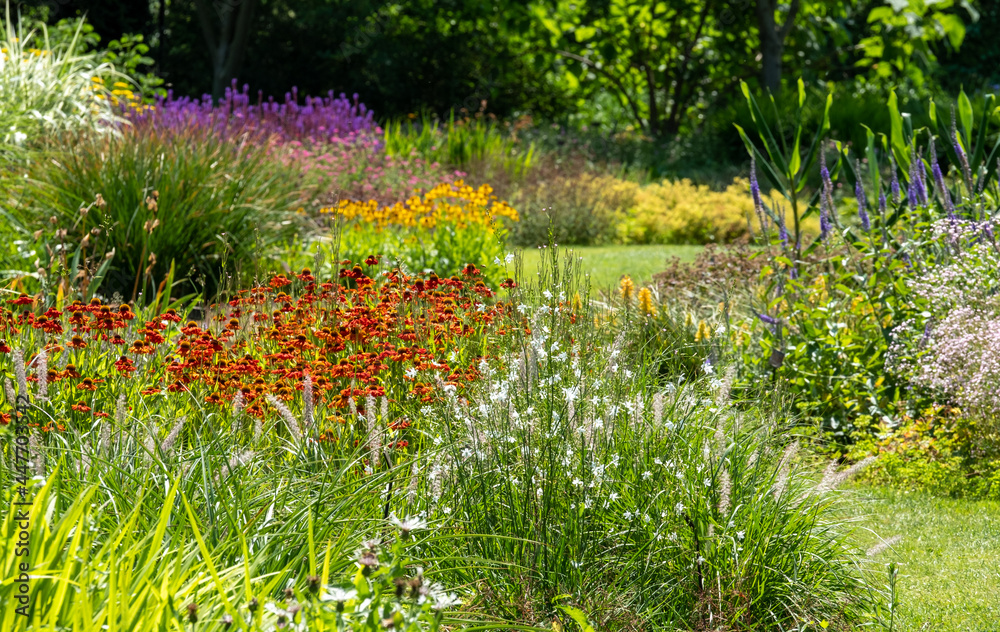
column 949, row 558
column 606, row 264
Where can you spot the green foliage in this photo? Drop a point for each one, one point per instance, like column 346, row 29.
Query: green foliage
column 477, row 142
column 943, row 451
column 128, row 54
column 903, row 35
column 833, row 309
column 155, row 202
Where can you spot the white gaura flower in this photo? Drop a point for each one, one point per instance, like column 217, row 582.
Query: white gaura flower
column 509, row 257
column 333, row 593
column 411, row 372
column 408, row 524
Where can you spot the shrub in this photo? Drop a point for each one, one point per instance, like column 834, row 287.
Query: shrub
column 684, row 213
column 159, row 201
column 943, row 451
column 582, row 209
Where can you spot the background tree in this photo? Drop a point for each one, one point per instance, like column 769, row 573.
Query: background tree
column 227, row 44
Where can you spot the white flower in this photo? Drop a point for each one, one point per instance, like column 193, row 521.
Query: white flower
column 411, row 372
column 338, row 594
column 496, row 260
column 613, row 496
column 646, row 474
column 408, row 524
column 740, row 534
column 547, row 294
column 509, row 257
column 577, row 482
column 679, row 508
column 708, row 482
column 20, row 137
column 445, row 600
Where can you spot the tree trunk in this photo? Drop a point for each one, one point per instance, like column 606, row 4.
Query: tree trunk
column 228, row 48
column 772, row 41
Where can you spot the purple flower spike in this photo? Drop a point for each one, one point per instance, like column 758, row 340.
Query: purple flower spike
column 824, row 218
column 327, row 118
column 859, row 193
column 764, row 318
column 758, row 204
column 894, row 182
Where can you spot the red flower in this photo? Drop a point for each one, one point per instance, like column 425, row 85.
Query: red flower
column 150, row 391
column 372, row 260
column 81, row 407
column 125, row 365
column 171, row 315
column 305, row 275
column 24, row 299
column 100, row 414
column 87, row 384
column 280, row 281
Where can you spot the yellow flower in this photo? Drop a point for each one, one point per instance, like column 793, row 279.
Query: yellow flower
column 457, row 203
column 577, row 303
column 646, row 305
column 703, row 333
column 626, row 288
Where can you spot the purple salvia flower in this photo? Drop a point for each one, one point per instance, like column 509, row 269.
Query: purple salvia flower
column 963, row 160
column 758, row 204
column 764, row 318
column 939, row 183
column 782, row 231
column 881, row 205
column 827, row 194
column 921, row 182
column 894, row 181
column 824, row 217
column 859, row 193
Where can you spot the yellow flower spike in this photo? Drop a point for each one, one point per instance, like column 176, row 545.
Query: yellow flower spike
column 646, row 305
column 703, row 333
column 626, row 288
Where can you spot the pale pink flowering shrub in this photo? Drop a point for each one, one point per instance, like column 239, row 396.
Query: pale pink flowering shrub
column 956, row 354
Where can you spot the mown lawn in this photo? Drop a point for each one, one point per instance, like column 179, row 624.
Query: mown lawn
column 949, row 558
column 606, row 264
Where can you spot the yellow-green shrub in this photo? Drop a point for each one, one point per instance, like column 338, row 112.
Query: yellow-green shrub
column 682, row 212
